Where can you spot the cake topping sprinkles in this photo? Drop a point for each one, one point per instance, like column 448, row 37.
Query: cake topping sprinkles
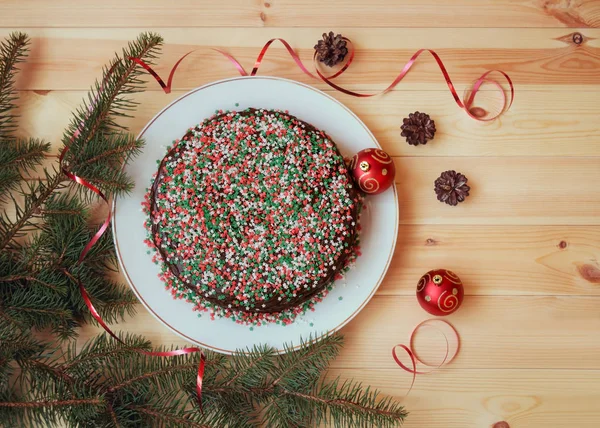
column 252, row 215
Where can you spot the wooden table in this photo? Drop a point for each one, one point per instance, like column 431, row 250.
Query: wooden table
column 527, row 241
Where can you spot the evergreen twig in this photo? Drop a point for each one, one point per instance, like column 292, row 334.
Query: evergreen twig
column 94, row 125
column 52, row 403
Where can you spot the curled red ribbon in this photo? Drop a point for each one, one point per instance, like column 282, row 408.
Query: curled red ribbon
column 451, row 351
column 88, row 247
column 466, row 104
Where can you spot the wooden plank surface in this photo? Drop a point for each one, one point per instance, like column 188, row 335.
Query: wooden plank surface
column 527, row 241
column 522, row 398
column 68, row 59
column 290, row 13
column 544, row 122
column 499, row 260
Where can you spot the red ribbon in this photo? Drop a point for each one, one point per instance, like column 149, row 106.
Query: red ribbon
column 450, row 354
column 92, row 242
column 466, row 104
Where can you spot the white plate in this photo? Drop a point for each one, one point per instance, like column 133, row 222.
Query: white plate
column 379, row 220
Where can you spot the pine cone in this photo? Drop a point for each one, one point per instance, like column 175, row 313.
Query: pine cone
column 332, row 49
column 451, row 187
column 418, row 128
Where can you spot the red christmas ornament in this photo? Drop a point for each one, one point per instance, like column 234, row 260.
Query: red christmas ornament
column 440, row 292
column 373, row 170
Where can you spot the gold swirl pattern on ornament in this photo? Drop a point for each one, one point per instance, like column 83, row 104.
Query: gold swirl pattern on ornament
column 452, row 277
column 422, row 282
column 381, row 156
column 449, row 304
column 368, row 185
column 353, row 162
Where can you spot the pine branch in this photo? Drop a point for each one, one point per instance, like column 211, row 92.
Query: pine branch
column 167, row 418
column 96, row 117
column 351, row 404
column 99, row 351
column 165, row 371
column 112, row 300
column 23, row 154
column 29, row 309
column 38, row 373
column 18, row 344
column 12, row 52
column 53, row 403
column 121, row 146
column 301, row 369
column 27, row 278
column 34, row 198
column 251, row 368
column 15, row 345
column 140, row 390
column 17, row 157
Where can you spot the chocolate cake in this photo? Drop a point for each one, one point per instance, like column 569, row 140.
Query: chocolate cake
column 252, row 214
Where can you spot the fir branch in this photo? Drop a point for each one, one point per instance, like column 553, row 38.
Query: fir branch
column 302, row 368
column 109, row 180
column 23, row 154
column 47, row 212
column 19, row 344
column 155, row 374
column 29, row 308
column 165, row 417
column 122, row 146
column 352, row 405
column 12, row 52
column 113, row 415
column 251, row 367
column 38, row 193
column 103, row 348
column 27, row 278
column 112, row 299
column 95, row 117
column 110, row 99
column 17, row 157
column 53, row 403
column 38, row 365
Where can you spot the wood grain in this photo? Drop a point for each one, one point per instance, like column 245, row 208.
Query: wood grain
column 514, row 191
column 289, row 13
column 496, row 332
column 480, row 398
column 70, row 59
column 499, row 260
column 552, row 123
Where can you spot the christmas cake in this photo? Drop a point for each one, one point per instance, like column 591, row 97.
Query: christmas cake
column 252, row 215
